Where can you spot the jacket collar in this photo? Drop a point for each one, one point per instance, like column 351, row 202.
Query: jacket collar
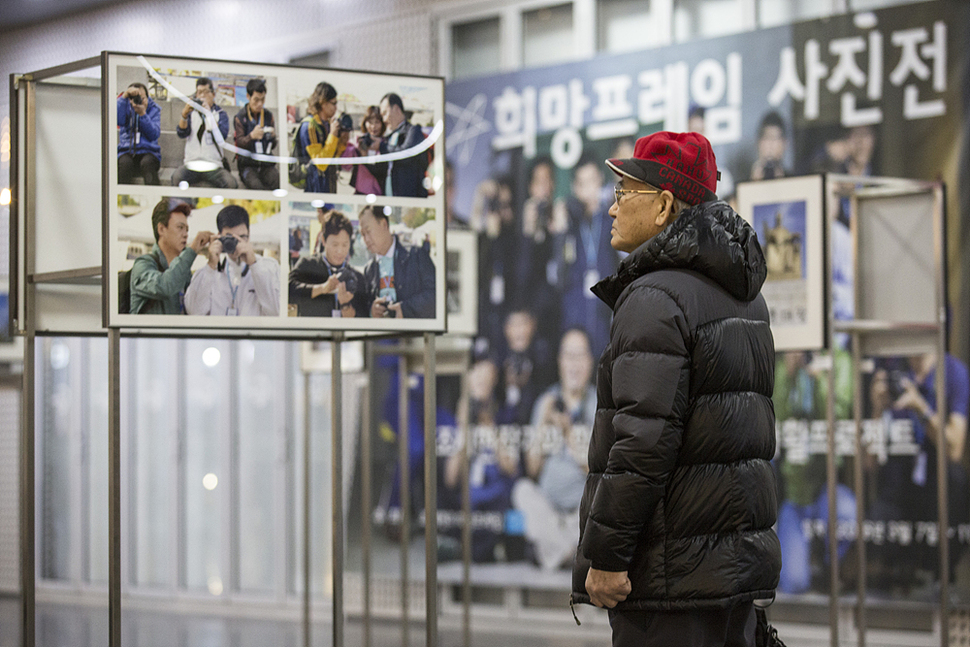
column 709, row 238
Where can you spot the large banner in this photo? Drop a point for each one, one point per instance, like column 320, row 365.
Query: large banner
column 256, row 197
column 870, row 94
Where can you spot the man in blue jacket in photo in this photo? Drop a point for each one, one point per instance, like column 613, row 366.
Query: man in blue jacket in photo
column 405, row 177
column 400, row 280
column 139, row 125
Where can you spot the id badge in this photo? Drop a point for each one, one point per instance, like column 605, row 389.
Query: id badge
column 259, row 148
column 208, row 138
column 497, row 291
column 232, row 312
column 137, row 137
column 590, row 279
column 336, row 313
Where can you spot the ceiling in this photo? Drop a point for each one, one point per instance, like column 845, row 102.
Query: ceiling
column 19, row 13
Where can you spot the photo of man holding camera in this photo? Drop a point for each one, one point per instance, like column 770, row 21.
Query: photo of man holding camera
column 236, row 281
column 139, row 126
column 204, row 164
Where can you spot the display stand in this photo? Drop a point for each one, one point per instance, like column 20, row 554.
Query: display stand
column 58, row 285
column 898, row 250
column 891, row 275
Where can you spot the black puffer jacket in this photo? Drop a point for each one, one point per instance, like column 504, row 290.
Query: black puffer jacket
column 680, row 491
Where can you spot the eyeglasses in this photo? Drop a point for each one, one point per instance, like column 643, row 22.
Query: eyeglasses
column 618, row 192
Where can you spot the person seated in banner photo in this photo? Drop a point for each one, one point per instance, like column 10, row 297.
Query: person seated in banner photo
column 159, row 278
column 555, row 461
column 325, row 284
column 236, row 281
column 256, row 133
column 203, row 131
column 139, row 126
column 405, row 177
column 494, row 464
column 399, row 279
column 904, row 392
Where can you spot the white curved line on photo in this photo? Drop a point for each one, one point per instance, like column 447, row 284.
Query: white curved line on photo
column 428, row 142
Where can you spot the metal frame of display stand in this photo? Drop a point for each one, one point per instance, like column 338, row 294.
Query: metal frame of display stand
column 859, row 330
column 24, row 197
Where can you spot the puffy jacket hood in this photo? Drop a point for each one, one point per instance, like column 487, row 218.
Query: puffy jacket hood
column 709, row 238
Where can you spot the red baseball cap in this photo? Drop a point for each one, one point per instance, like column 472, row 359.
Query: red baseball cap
column 682, row 163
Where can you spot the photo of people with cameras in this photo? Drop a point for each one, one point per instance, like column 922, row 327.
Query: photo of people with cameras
column 199, row 256
column 191, row 129
column 370, row 261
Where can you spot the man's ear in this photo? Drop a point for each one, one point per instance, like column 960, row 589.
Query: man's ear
column 665, row 208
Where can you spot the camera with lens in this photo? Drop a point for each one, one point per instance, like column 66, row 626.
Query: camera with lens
column 136, row 98
column 346, row 122
column 896, row 383
column 229, row 244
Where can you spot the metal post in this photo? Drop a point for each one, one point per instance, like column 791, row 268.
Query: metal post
column 403, row 458
column 430, row 494
column 942, row 453
column 859, row 487
column 114, row 488
column 365, row 493
column 27, row 476
column 830, row 455
column 466, row 519
column 336, row 437
column 831, row 484
column 307, row 408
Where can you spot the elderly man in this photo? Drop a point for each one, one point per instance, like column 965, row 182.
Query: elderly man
column 676, row 519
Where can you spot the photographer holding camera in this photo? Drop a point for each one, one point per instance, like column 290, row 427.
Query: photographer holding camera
column 139, row 125
column 256, row 133
column 906, row 483
column 236, row 281
column 204, row 163
column 325, row 284
column 324, row 135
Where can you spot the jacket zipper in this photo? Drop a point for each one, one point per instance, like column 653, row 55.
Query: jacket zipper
column 572, row 608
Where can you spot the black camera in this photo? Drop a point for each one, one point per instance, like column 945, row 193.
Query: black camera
column 346, row 122
column 896, row 381
column 137, row 99
column 229, row 244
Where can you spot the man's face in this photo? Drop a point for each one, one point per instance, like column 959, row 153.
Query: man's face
column 375, row 232
column 519, row 329
column 771, row 145
column 391, row 115
column 175, row 235
column 587, row 184
column 634, row 216
column 542, row 183
column 239, row 232
column 336, row 247
column 256, row 102
column 575, row 361
column 205, row 95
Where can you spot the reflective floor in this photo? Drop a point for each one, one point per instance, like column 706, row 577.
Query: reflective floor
column 68, row 626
